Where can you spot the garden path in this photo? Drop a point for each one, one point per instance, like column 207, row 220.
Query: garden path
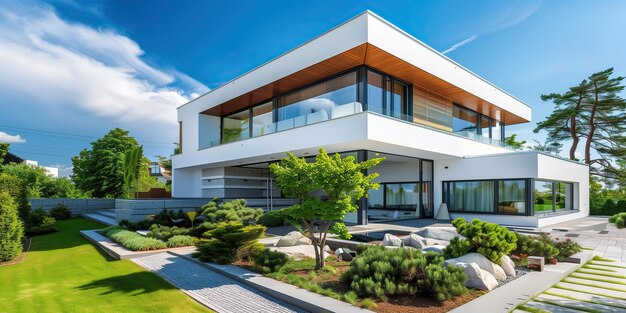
column 210, row 288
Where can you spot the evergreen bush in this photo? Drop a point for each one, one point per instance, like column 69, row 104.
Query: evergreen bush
column 272, row 219
column 382, row 272
column 224, row 242
column 618, row 219
column 11, row 228
column 270, row 261
column 60, row 212
column 232, row 211
column 536, row 246
column 621, row 206
column 166, row 232
column 609, row 207
column 489, row 239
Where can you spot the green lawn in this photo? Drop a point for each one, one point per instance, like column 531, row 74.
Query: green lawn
column 64, row 273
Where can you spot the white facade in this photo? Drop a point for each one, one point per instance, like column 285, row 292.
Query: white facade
column 51, row 171
column 210, row 166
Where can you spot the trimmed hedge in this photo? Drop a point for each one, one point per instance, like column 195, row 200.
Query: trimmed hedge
column 382, row 272
column 41, row 230
column 11, row 228
column 134, row 241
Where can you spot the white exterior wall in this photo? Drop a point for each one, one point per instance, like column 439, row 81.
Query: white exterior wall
column 516, row 165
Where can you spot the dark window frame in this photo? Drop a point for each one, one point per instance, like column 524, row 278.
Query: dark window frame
column 554, row 209
column 496, row 193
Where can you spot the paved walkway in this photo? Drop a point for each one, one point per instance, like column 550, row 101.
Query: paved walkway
column 214, row 290
column 593, row 233
column 598, row 285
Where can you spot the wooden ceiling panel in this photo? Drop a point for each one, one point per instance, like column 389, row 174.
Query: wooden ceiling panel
column 374, row 57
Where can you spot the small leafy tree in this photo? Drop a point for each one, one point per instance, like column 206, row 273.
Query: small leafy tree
column 326, row 190
column 11, row 229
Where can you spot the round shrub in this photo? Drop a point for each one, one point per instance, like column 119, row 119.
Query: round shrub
column 181, row 241
column 165, row 232
column 620, row 222
column 382, row 272
column 232, row 211
column 621, row 206
column 270, row 261
column 60, row 212
column 272, row 219
column 11, row 228
column 609, row 207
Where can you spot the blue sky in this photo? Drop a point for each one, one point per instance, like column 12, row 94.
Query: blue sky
column 72, row 70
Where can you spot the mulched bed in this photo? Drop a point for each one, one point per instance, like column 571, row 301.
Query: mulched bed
column 20, row 258
column 409, row 304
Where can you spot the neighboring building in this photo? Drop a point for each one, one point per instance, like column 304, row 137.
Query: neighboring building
column 51, row 171
column 156, row 170
column 367, row 88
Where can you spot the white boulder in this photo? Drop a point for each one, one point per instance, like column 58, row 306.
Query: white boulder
column 477, row 278
column 416, row 241
column 482, row 262
column 507, row 265
column 290, row 240
column 392, row 241
column 439, row 233
column 434, row 248
column 304, row 240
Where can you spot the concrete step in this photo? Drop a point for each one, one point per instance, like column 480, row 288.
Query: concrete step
column 100, row 218
column 106, row 213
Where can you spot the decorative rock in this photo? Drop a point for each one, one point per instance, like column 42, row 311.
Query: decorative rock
column 345, row 257
column 391, row 240
column 483, row 263
column 290, row 239
column 508, row 266
column 477, row 278
column 303, row 241
column 415, row 241
column 299, row 252
column 438, row 233
column 434, row 248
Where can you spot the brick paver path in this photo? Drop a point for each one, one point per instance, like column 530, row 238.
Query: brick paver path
column 214, row 290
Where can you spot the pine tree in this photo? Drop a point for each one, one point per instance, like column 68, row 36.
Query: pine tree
column 11, row 228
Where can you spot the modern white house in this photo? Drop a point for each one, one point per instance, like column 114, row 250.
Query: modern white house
column 366, row 88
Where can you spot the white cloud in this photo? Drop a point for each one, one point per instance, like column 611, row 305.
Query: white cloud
column 508, row 18
column 4, row 137
column 460, row 44
column 66, row 65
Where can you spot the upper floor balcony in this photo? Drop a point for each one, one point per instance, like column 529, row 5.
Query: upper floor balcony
column 351, row 92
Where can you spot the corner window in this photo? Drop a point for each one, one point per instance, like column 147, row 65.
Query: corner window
column 552, row 196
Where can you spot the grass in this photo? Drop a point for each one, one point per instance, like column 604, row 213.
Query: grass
column 599, row 258
column 592, row 267
column 606, row 265
column 600, row 274
column 603, row 280
column 586, row 291
column 64, row 273
column 565, row 280
column 573, row 307
column 531, row 309
column 583, row 300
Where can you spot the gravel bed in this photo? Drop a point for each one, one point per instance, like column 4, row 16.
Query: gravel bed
column 519, row 272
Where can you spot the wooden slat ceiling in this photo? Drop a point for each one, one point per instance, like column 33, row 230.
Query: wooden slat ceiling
column 374, row 57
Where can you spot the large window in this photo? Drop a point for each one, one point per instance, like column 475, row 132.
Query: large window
column 388, row 96
column 402, row 196
column 464, row 121
column 512, row 197
column 330, row 99
column 552, row 196
column 472, row 196
column 236, row 126
column 262, row 120
column 501, row 196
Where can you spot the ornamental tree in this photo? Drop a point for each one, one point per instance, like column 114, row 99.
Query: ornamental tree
column 326, row 190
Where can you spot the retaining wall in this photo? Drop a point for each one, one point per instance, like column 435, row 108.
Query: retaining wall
column 78, row 206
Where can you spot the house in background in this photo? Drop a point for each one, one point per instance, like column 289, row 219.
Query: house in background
column 156, row 170
column 51, row 171
column 367, row 89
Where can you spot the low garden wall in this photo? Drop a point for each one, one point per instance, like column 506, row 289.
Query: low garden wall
column 77, row 206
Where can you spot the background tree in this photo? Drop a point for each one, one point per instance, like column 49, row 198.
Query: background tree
column 100, row 171
column 145, row 181
column 11, row 229
column 4, row 149
column 133, row 158
column 563, row 123
column 326, row 190
column 512, row 142
column 547, row 147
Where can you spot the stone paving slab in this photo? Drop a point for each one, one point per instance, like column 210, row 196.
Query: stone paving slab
column 588, row 297
column 621, row 281
column 579, row 304
column 214, row 290
column 593, row 290
column 550, row 308
column 594, row 283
